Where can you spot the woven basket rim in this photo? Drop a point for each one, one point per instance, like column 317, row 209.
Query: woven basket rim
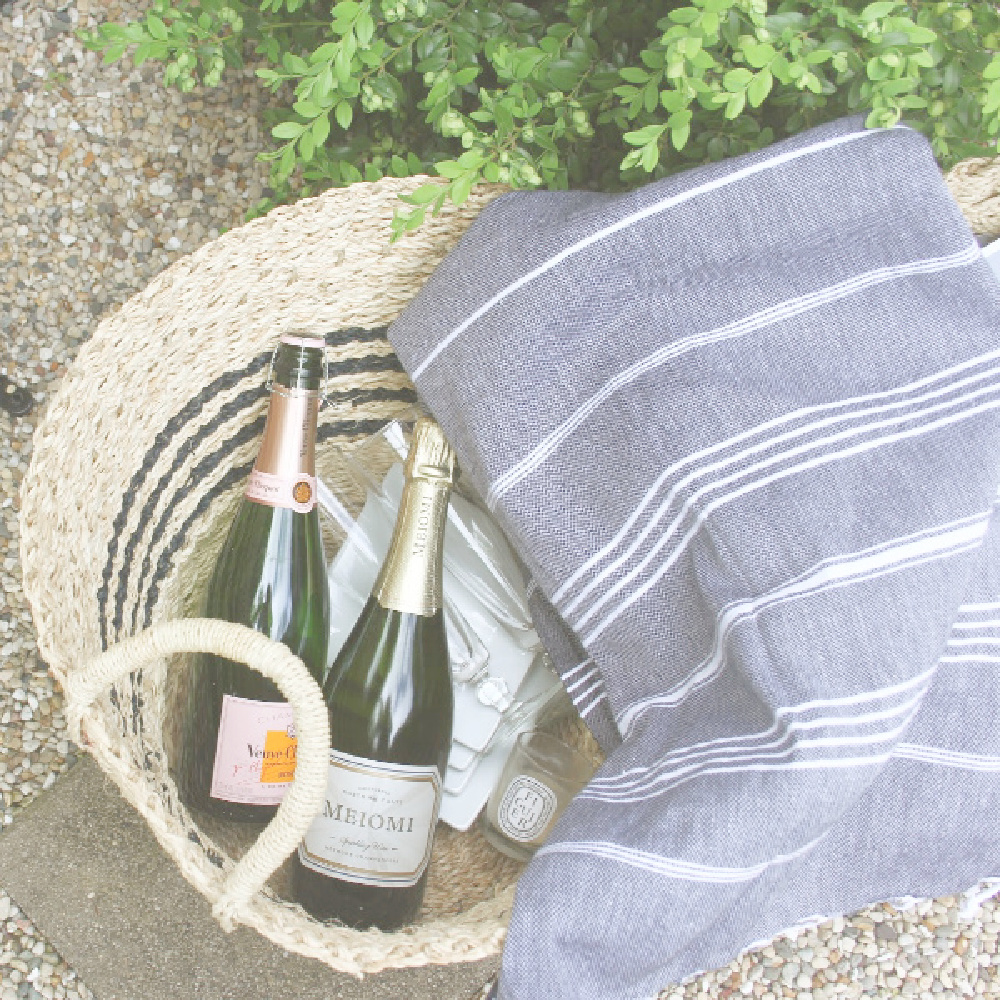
column 260, row 267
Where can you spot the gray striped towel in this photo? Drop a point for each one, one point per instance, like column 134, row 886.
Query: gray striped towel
column 743, row 427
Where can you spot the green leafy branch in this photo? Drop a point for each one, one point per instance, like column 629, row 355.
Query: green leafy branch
column 566, row 92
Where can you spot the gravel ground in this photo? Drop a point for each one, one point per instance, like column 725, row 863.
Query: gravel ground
column 106, row 178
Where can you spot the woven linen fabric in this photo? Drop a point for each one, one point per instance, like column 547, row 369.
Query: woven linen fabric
column 743, row 427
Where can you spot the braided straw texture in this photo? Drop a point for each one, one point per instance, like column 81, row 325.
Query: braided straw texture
column 137, row 467
column 975, row 185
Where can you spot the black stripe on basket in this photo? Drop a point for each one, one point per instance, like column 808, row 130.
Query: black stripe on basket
column 202, row 472
column 245, row 400
column 188, row 413
column 341, row 429
column 185, row 415
column 236, row 406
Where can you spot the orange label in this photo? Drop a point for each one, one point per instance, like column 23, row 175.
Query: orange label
column 278, row 764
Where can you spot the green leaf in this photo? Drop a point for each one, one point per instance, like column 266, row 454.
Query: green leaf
column 294, row 64
column 642, row 136
column 952, row 81
column 321, row 130
column 737, row 80
column 877, row 69
column 465, row 76
column 287, row 162
column 448, row 168
column 992, row 98
column 759, row 87
column 919, row 35
column 287, row 130
column 673, row 100
column 422, row 195
column 415, row 219
column 684, row 15
column 156, row 27
column 525, row 61
column 563, row 74
column 114, row 52
column 759, row 55
column 364, row 28
column 349, row 172
column 326, row 52
column 346, row 10
column 633, row 74
column 922, row 59
column 322, row 88
column 471, row 159
column 651, row 96
column 307, row 109
column 344, row 114
column 143, row 52
column 461, row 188
column 876, row 11
column 503, row 118
column 786, row 21
column 342, row 66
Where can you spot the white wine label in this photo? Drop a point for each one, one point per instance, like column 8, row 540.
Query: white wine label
column 255, row 752
column 296, row 492
column 526, row 808
column 377, row 823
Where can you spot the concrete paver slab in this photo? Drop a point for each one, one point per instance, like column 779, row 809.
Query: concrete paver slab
column 85, row 868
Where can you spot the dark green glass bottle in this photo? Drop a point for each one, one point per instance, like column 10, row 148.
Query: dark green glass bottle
column 237, row 753
column 364, row 861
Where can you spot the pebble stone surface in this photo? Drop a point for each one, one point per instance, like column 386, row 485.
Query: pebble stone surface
column 106, row 178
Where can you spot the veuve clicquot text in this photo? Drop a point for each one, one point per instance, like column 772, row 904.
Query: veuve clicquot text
column 364, row 860
column 237, row 754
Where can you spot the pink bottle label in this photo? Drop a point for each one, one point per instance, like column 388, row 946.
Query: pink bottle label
column 255, row 753
column 284, row 473
column 296, row 492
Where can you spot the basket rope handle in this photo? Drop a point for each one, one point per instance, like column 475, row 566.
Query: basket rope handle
column 304, row 798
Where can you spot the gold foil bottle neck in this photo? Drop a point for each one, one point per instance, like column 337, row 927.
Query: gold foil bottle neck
column 410, row 578
column 430, row 456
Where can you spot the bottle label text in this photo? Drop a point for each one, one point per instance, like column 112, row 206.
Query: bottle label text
column 255, row 752
column 377, row 823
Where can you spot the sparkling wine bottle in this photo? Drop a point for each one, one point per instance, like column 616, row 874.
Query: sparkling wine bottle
column 364, row 860
column 237, row 754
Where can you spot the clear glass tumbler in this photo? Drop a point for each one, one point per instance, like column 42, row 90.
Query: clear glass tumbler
column 541, row 776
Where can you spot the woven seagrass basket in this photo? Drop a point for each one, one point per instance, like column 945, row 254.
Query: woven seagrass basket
column 136, row 471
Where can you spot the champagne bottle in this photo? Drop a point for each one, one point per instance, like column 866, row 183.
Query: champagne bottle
column 237, row 754
column 364, row 860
